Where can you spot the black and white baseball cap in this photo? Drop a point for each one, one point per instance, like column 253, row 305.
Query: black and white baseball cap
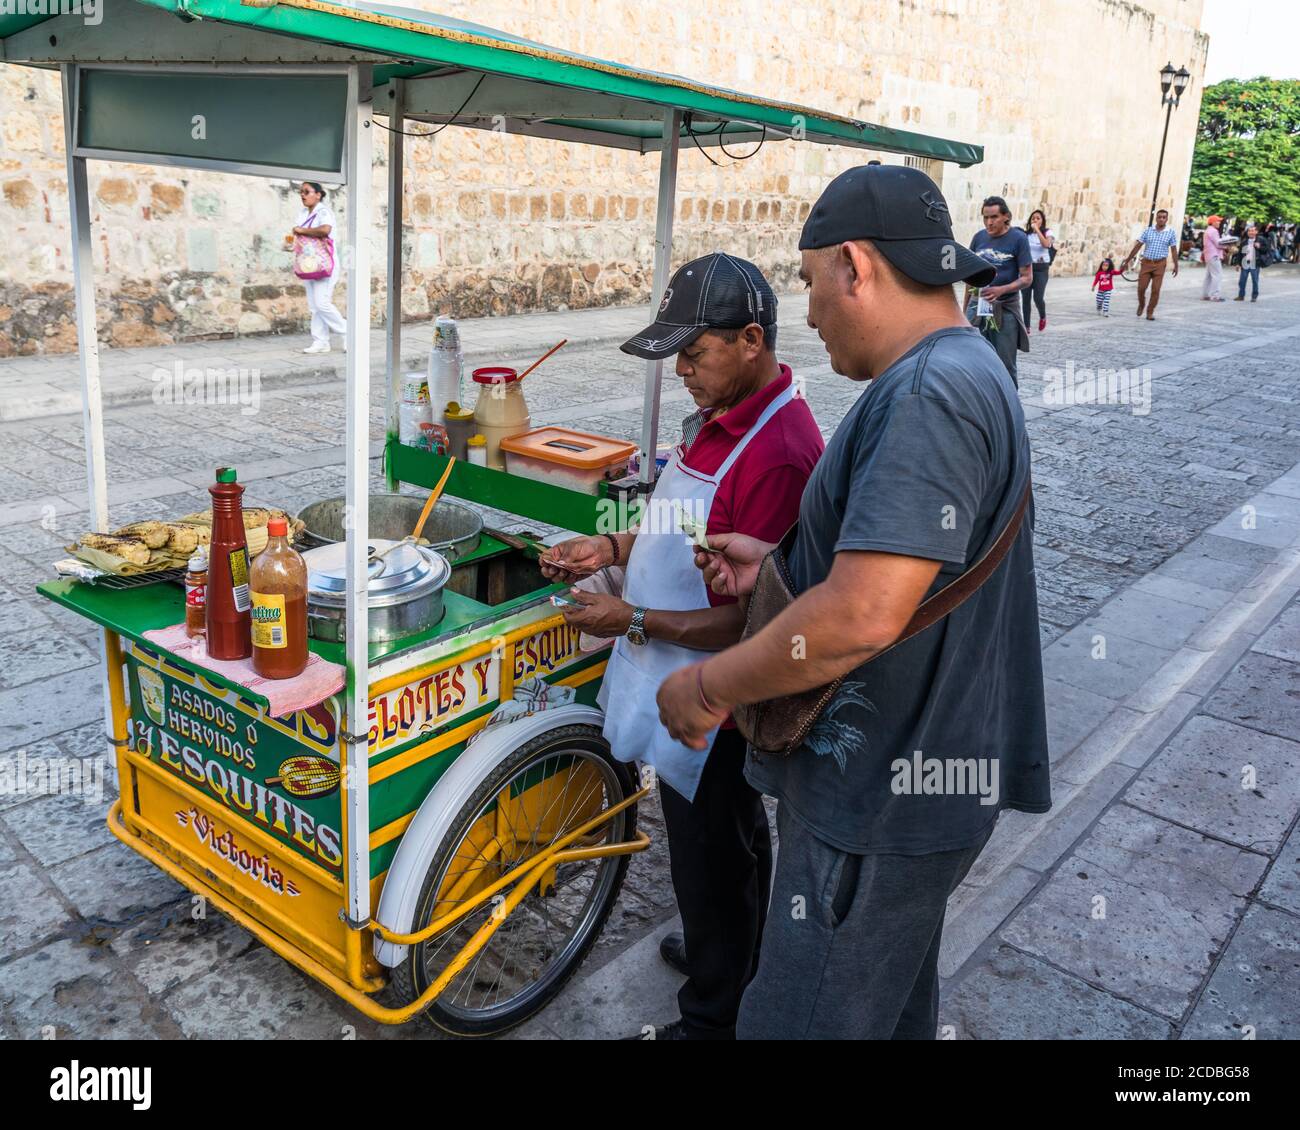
column 714, row 293
column 903, row 213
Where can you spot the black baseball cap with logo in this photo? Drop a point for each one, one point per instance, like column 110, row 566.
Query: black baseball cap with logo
column 718, row 292
column 903, row 213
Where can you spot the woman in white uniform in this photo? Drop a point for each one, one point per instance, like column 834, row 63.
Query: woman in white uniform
column 316, row 218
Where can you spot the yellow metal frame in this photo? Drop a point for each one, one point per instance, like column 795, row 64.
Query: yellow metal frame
column 139, row 835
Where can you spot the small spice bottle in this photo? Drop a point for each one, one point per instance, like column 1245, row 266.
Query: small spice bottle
column 476, row 446
column 459, row 423
column 196, row 592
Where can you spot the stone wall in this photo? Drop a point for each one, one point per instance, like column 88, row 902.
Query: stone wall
column 1063, row 94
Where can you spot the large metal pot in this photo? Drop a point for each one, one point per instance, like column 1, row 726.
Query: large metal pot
column 453, row 530
column 404, row 589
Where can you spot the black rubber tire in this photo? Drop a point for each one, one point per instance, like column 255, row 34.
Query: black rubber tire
column 409, row 978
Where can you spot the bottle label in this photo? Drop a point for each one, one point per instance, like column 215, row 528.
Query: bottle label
column 268, row 620
column 239, row 578
column 195, row 595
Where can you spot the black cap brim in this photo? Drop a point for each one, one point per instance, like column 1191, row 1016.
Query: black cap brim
column 936, row 262
column 661, row 339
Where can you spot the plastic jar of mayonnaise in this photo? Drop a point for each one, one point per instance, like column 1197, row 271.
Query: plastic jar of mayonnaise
column 500, row 410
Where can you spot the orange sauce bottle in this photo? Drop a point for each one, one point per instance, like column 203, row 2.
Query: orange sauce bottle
column 278, row 580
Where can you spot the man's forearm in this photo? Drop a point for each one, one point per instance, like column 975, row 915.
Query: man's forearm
column 805, row 646
column 705, row 629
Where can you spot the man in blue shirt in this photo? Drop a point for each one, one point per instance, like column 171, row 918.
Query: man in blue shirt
column 1007, row 249
column 1156, row 243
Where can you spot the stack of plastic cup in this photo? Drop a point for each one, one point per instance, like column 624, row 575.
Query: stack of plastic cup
column 444, row 365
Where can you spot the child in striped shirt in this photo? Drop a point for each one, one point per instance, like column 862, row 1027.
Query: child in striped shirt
column 1103, row 283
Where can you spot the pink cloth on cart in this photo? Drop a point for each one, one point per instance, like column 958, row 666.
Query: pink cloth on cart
column 319, row 679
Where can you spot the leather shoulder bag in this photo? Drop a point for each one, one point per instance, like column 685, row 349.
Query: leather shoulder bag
column 780, row 725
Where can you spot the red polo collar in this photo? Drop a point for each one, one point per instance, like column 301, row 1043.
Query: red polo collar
column 745, row 414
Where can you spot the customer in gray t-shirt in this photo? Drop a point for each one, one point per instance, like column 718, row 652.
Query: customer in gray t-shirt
column 888, row 802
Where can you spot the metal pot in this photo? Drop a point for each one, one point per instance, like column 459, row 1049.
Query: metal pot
column 404, row 589
column 453, row 530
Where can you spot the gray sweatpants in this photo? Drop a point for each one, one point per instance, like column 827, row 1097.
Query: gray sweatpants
column 851, row 946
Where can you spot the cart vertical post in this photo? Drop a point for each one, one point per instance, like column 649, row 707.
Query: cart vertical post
column 357, row 168
column 92, row 401
column 393, row 321
column 662, row 268
column 83, row 286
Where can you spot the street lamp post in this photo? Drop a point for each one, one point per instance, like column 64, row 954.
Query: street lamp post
column 1178, row 79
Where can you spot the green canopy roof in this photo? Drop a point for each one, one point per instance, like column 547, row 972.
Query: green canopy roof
column 461, row 71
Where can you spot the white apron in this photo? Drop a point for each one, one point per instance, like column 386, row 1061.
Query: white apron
column 661, row 574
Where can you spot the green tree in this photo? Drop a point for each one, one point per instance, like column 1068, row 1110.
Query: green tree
column 1247, row 150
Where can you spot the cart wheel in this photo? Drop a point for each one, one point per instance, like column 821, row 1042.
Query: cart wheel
column 542, row 791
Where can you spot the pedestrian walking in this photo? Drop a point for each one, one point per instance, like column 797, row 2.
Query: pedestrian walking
column 316, row 264
column 1251, row 253
column 1103, row 282
column 994, row 309
column 1212, row 253
column 1042, row 250
column 927, row 471
column 1158, row 244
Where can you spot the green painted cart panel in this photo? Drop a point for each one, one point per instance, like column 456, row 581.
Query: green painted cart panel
column 569, row 509
column 289, row 121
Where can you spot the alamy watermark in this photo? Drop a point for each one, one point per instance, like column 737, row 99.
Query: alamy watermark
column 948, row 776
column 91, row 11
column 1071, row 385
column 208, row 386
column 27, row 776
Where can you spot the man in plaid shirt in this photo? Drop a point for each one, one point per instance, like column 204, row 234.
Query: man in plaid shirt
column 1155, row 243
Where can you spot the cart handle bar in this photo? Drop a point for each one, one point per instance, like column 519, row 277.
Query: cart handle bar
column 543, row 861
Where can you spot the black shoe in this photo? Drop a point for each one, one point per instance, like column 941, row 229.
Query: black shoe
column 673, row 950
column 674, row 1031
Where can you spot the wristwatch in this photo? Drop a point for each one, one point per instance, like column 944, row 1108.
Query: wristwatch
column 636, row 631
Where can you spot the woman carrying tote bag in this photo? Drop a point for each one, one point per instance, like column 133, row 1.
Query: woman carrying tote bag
column 316, row 264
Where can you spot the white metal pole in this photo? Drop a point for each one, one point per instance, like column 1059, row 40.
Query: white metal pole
column 663, row 265
column 396, row 174
column 360, row 143
column 83, row 285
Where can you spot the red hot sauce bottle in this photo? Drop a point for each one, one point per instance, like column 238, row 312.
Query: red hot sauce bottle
column 229, row 603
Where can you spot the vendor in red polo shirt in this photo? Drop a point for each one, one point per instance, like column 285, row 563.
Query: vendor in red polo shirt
column 745, row 456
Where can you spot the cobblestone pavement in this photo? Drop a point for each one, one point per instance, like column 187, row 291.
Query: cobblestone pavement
column 95, row 942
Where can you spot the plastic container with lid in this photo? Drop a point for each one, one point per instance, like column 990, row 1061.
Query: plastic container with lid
column 500, row 410
column 476, row 450
column 460, row 425
column 567, row 458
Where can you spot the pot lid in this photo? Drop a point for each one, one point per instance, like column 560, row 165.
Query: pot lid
column 399, row 571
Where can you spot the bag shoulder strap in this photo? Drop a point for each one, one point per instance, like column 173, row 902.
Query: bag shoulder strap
column 949, row 598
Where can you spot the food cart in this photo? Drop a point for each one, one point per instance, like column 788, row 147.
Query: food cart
column 364, row 839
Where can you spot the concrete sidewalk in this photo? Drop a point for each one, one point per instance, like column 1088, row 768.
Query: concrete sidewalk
column 1160, row 898
column 33, row 387
column 50, row 385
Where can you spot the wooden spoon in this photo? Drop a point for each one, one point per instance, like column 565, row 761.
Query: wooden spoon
column 434, row 495
column 542, row 358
